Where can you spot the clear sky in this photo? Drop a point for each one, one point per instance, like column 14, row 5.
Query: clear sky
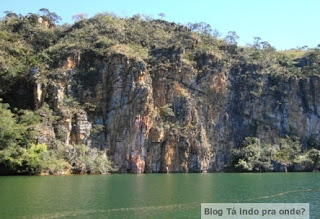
column 285, row 24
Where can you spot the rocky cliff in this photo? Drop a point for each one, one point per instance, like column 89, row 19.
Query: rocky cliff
column 152, row 117
column 178, row 108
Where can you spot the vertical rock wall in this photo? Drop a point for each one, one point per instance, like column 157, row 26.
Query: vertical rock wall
column 174, row 117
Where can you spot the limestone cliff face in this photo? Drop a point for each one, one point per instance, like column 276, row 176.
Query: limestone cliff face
column 171, row 116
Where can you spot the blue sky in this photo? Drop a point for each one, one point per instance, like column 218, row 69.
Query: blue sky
column 285, row 24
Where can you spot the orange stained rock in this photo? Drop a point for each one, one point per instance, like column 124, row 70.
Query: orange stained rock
column 70, row 63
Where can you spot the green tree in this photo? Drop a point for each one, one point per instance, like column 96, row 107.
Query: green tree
column 52, row 16
column 253, row 156
column 11, row 133
column 202, row 28
column 79, row 17
column 10, row 14
column 33, row 158
column 88, row 160
column 232, row 37
column 314, row 155
column 289, row 149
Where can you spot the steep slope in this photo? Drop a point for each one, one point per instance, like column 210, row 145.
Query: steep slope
column 157, row 97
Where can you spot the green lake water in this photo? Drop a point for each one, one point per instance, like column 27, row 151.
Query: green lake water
column 149, row 195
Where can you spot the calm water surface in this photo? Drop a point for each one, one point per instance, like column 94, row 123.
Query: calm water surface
column 149, row 195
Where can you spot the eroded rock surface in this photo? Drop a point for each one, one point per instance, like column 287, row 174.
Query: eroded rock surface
column 175, row 117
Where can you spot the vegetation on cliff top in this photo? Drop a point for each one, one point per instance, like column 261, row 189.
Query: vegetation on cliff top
column 36, row 41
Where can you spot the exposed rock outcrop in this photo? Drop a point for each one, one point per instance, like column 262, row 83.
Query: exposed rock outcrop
column 178, row 118
column 154, row 96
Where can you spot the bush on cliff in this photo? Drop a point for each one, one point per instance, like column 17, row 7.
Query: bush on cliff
column 253, row 156
column 19, row 153
column 288, row 150
column 88, row 160
column 12, row 133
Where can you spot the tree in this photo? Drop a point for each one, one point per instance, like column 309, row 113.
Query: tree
column 88, row 160
column 253, row 156
column 314, row 155
column 232, row 37
column 136, row 17
column 52, row 16
column 257, row 42
column 290, row 148
column 216, row 33
column 146, row 17
column 10, row 14
column 33, row 18
column 264, row 45
column 11, row 133
column 33, row 158
column 202, row 27
column 79, row 16
column 161, row 15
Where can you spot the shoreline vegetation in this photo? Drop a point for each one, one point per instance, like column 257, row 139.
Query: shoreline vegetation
column 36, row 43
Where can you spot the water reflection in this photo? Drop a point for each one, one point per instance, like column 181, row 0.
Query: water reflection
column 149, row 196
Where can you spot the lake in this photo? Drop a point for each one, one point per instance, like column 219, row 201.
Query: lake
column 149, row 195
